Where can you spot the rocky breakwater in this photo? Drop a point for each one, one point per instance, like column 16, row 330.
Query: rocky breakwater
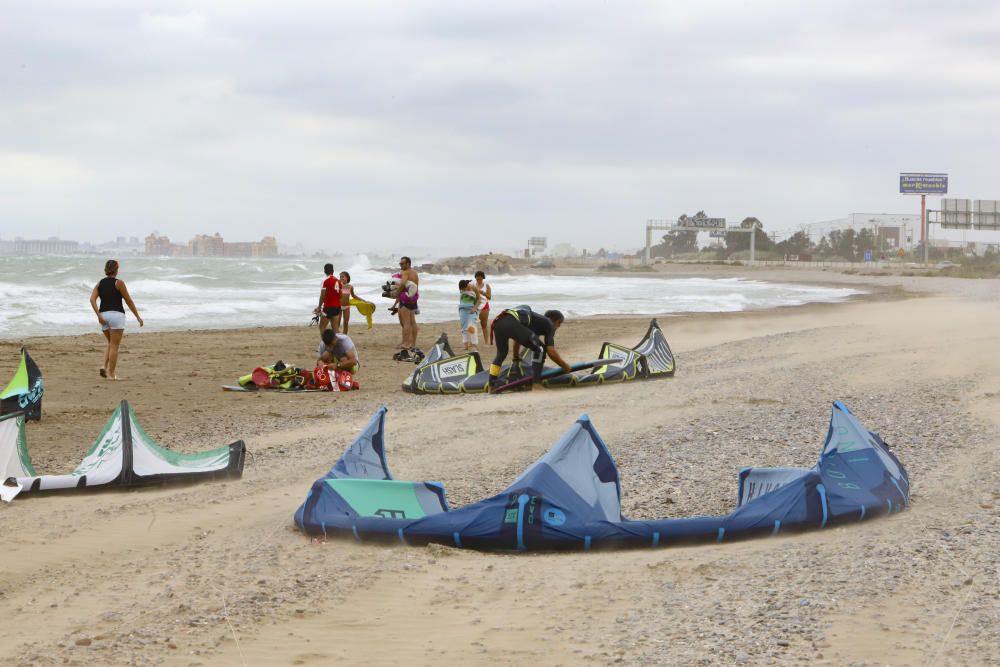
column 491, row 264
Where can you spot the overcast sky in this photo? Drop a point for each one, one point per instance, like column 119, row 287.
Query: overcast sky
column 474, row 125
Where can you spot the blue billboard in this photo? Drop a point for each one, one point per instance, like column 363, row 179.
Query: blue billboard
column 923, row 184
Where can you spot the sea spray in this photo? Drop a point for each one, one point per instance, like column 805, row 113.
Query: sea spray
column 50, row 295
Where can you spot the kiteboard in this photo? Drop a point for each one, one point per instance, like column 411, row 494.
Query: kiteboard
column 253, row 389
column 555, row 372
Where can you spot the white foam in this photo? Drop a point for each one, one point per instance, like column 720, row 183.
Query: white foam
column 253, row 267
column 161, row 287
column 197, row 293
column 361, row 263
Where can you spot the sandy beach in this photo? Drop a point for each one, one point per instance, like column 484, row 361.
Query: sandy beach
column 218, row 574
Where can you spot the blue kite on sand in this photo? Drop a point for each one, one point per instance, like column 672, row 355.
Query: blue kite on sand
column 570, row 498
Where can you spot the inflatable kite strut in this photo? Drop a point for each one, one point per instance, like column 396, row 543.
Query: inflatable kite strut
column 444, row 372
column 570, row 497
column 24, row 391
column 122, row 456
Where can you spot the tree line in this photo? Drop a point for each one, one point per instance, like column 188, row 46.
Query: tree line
column 845, row 244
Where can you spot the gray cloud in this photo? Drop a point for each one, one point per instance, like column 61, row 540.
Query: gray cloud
column 466, row 121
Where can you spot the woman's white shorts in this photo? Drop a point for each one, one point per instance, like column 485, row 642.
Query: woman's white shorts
column 114, row 319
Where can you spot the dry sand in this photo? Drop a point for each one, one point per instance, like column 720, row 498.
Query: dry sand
column 217, row 573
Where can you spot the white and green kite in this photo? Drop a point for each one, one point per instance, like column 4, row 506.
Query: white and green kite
column 124, row 455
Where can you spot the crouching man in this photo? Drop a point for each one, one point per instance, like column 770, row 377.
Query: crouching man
column 336, row 350
column 527, row 329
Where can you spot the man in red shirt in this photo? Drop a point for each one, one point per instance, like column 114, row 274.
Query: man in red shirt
column 329, row 301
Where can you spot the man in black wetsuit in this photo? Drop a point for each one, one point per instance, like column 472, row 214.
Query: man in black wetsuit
column 527, row 329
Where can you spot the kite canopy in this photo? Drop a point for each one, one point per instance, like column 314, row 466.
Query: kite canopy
column 570, row 498
column 24, row 391
column 124, row 455
column 443, row 372
column 14, row 460
column 656, row 350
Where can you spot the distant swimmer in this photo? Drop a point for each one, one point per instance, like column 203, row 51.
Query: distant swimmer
column 483, row 303
column 329, row 301
column 111, row 314
column 527, row 329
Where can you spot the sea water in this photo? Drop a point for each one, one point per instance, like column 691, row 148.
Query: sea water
column 42, row 296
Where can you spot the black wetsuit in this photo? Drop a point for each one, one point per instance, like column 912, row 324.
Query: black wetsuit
column 529, row 329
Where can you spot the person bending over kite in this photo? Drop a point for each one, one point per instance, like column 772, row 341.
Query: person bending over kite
column 337, row 350
column 527, row 329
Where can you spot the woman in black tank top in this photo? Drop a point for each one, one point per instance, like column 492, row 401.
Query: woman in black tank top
column 111, row 298
column 111, row 314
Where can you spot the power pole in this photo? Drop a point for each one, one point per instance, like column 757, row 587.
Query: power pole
column 923, row 225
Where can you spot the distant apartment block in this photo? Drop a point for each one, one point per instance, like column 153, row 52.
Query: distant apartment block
column 50, row 246
column 204, row 245
column 159, row 246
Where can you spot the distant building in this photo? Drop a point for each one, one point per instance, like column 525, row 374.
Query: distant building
column 159, row 246
column 894, row 230
column 203, row 245
column 240, row 249
column 50, row 246
column 266, row 247
column 564, row 250
column 889, row 237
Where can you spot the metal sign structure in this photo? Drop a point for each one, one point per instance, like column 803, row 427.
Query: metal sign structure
column 695, row 223
column 923, row 184
column 699, row 222
column 537, row 244
column 955, row 214
column 752, row 231
column 650, row 226
column 916, row 183
column 986, row 214
column 978, row 214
